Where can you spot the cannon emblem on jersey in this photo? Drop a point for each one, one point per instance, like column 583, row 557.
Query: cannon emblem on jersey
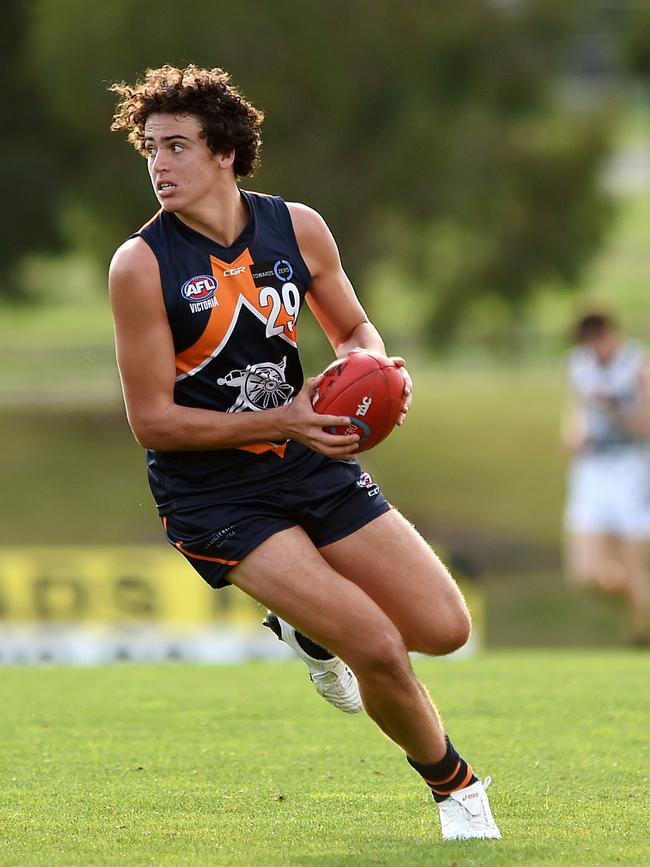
column 262, row 386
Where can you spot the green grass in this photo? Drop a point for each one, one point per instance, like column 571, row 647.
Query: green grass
column 538, row 609
column 242, row 765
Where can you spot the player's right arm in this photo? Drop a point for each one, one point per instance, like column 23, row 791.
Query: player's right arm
column 573, row 431
column 146, row 362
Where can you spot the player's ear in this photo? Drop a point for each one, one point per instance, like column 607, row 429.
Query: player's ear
column 225, row 159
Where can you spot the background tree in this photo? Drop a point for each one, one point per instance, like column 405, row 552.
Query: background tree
column 32, row 175
column 636, row 42
column 428, row 135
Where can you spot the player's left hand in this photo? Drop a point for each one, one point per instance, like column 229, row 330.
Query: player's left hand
column 398, row 361
column 407, row 394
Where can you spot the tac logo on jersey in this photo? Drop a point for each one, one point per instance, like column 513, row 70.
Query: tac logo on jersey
column 199, row 292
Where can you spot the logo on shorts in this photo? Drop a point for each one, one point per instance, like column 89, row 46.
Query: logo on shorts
column 220, row 537
column 262, row 386
column 366, row 483
column 199, row 292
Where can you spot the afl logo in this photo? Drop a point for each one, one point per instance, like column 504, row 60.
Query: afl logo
column 283, row 270
column 200, row 288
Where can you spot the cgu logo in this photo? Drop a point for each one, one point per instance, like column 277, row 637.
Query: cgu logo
column 364, row 406
column 200, row 288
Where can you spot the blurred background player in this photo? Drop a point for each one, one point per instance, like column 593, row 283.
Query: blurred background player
column 607, row 517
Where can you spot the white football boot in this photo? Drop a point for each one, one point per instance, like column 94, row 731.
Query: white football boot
column 331, row 677
column 466, row 814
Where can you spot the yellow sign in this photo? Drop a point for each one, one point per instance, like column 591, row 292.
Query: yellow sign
column 113, row 585
column 127, row 585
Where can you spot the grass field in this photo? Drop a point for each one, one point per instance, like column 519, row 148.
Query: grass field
column 242, row 765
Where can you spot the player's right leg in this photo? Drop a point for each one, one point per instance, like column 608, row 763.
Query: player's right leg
column 590, row 558
column 287, row 574
column 332, row 678
column 219, row 536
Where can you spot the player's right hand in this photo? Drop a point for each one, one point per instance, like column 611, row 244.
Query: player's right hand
column 299, row 422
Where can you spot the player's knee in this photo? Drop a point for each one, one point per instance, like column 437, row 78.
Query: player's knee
column 380, row 654
column 445, row 634
column 458, row 630
column 580, row 573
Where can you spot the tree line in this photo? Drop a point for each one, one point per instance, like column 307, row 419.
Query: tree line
column 430, row 135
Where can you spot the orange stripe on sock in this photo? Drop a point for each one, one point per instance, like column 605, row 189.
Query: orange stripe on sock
column 467, row 778
column 446, row 780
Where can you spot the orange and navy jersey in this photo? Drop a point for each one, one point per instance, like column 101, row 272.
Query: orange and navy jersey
column 233, row 315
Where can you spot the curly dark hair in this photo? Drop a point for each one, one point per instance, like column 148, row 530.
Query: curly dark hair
column 228, row 121
column 593, row 324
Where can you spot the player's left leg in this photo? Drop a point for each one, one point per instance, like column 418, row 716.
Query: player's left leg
column 379, row 551
column 389, row 560
column 288, row 574
column 593, row 561
column 407, row 580
column 633, row 555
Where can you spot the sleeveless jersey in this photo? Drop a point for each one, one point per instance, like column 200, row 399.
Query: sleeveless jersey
column 232, row 313
column 595, row 383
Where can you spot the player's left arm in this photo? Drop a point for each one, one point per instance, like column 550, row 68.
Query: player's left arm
column 332, row 298
column 637, row 417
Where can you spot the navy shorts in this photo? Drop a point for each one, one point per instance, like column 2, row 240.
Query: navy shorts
column 330, row 503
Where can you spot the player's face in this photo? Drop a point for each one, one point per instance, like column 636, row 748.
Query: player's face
column 604, row 344
column 183, row 170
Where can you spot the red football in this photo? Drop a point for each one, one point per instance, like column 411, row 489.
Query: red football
column 367, row 388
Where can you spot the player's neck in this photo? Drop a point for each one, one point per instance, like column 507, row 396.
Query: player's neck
column 221, row 218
